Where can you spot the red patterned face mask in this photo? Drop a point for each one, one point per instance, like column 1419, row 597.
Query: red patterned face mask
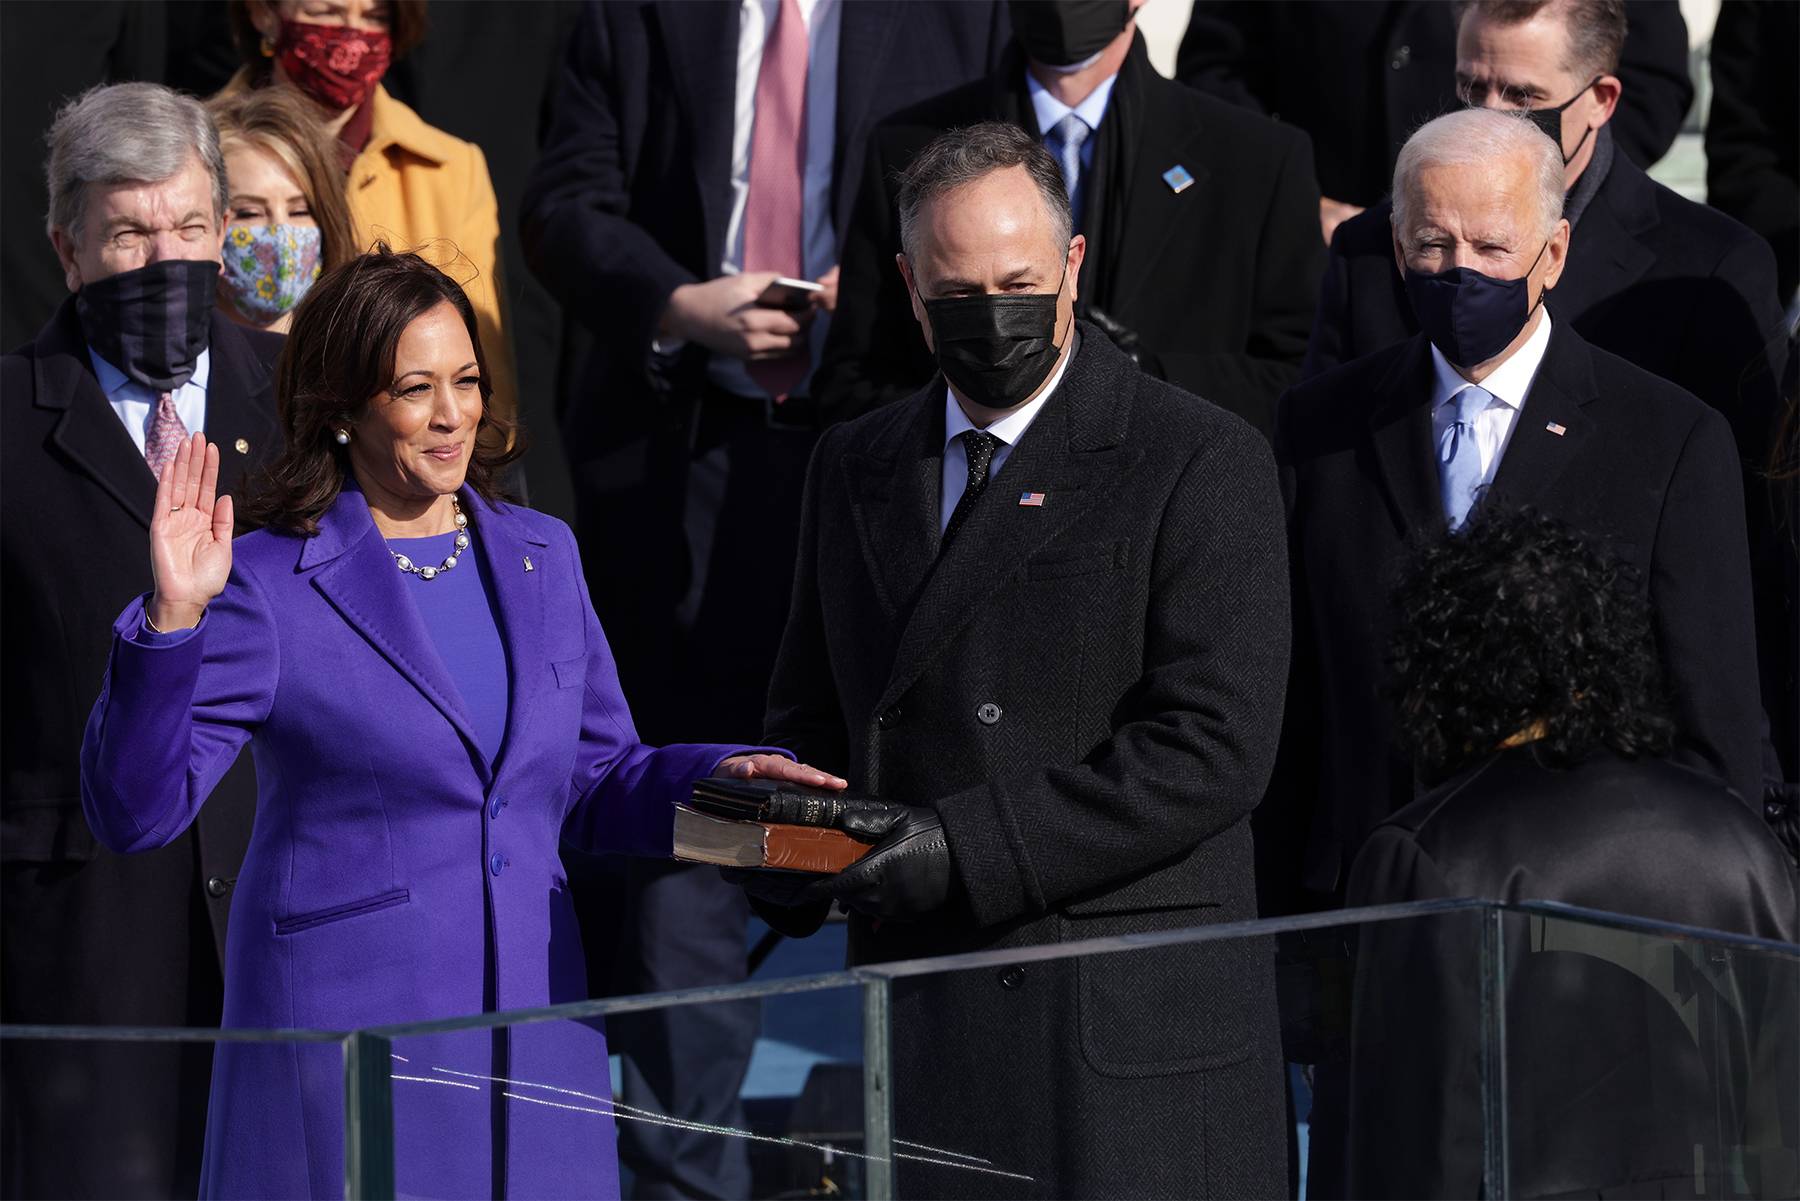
column 336, row 66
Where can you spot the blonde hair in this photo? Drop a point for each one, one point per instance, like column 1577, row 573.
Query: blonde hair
column 279, row 121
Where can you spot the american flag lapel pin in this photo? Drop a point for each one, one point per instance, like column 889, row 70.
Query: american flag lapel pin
column 1558, row 430
column 1032, row 500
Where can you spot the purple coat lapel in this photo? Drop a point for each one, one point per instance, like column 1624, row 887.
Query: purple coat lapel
column 513, row 555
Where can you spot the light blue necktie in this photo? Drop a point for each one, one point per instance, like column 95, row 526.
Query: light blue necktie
column 1069, row 134
column 1459, row 458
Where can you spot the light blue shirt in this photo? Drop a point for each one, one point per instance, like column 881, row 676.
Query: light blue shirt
column 135, row 403
column 1050, row 110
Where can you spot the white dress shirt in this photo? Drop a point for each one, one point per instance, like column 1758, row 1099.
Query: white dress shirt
column 1508, row 384
column 818, row 239
column 135, row 403
column 1050, row 110
column 1009, row 429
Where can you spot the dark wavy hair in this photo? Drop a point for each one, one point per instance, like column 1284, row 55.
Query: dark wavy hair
column 1515, row 622
column 339, row 356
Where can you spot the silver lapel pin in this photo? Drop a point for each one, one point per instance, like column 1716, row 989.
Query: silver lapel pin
column 528, row 566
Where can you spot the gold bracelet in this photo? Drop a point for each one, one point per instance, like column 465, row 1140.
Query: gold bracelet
column 152, row 624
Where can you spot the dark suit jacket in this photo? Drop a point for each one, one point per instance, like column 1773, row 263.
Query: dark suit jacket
column 1215, row 279
column 1610, row 1090
column 1087, row 692
column 78, row 923
column 1753, row 127
column 1360, row 76
column 1641, row 466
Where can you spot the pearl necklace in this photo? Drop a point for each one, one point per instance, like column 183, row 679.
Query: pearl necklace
column 462, row 544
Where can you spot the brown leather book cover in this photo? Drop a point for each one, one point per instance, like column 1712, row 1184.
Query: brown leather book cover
column 704, row 838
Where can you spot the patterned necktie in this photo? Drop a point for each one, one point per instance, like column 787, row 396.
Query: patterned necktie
column 1068, row 134
column 165, row 436
column 979, row 446
column 774, row 210
column 1459, row 458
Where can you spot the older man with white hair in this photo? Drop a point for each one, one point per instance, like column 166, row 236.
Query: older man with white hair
column 1493, row 398
column 133, row 362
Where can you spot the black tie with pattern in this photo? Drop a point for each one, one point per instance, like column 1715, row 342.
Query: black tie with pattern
column 979, row 446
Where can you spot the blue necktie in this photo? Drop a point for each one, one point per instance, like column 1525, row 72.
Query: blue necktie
column 1459, row 459
column 1068, row 134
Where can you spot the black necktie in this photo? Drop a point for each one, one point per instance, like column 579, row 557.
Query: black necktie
column 979, row 446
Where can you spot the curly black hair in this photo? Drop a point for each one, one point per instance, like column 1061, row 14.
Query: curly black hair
column 1516, row 621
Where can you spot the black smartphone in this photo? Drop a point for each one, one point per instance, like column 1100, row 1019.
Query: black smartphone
column 790, row 294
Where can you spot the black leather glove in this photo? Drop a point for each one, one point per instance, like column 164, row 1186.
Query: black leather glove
column 907, row 875
column 1127, row 340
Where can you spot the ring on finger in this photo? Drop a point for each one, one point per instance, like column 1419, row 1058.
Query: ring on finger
column 177, row 508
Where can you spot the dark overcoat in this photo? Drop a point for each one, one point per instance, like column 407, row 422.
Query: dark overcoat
column 1634, row 462
column 89, row 936
column 1088, row 692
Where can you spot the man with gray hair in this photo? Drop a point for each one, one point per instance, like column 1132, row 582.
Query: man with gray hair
column 1041, row 611
column 133, row 362
column 1492, row 397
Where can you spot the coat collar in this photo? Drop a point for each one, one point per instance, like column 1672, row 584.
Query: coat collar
column 1074, row 454
column 1535, row 456
column 1607, row 253
column 238, row 410
column 356, row 574
column 394, row 125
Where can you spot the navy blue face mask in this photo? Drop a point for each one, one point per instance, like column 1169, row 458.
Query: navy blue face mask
column 1471, row 317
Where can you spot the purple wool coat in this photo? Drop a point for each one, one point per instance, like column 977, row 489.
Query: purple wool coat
column 394, row 874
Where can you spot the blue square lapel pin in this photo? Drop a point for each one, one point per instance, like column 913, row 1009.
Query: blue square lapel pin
column 1178, row 178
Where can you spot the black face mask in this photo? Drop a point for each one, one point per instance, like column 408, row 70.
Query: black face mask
column 996, row 350
column 151, row 323
column 1550, row 121
column 1063, row 33
column 1469, row 316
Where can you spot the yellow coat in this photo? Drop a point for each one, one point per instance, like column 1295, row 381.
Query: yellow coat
column 416, row 187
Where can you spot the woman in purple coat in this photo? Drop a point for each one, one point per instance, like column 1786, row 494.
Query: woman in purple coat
column 432, row 708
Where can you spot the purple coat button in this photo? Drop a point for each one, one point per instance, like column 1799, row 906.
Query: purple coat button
column 495, row 863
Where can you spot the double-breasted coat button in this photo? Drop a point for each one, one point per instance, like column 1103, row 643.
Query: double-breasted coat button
column 1013, row 976
column 1402, row 56
column 888, row 719
column 217, row 886
column 988, row 714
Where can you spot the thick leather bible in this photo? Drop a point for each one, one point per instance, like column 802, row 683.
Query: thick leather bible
column 744, row 842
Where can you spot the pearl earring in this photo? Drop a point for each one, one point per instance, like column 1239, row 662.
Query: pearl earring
column 343, row 437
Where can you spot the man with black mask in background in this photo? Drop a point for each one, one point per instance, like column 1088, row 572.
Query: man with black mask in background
column 1041, row 609
column 1200, row 218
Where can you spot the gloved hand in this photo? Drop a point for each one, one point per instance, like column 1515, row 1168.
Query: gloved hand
column 907, row 875
column 1127, row 340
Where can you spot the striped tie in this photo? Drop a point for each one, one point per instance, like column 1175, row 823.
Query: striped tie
column 166, row 435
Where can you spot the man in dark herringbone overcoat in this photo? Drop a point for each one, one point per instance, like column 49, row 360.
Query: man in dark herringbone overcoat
column 1041, row 610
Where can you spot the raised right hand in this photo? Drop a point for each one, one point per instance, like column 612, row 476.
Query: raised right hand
column 723, row 316
column 190, row 537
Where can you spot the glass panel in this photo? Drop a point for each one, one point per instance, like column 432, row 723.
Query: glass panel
column 539, row 1107
column 116, row 1112
column 1649, row 1061
column 1158, row 1069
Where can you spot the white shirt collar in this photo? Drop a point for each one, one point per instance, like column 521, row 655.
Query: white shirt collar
column 1010, row 428
column 111, row 379
column 1509, row 382
column 1050, row 110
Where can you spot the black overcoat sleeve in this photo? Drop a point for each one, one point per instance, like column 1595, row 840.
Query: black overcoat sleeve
column 603, row 268
column 1192, row 742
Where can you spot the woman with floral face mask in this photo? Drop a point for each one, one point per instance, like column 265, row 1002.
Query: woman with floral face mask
column 287, row 221
column 408, row 184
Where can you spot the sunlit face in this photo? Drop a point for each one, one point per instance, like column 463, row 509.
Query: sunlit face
column 992, row 237
column 1481, row 216
column 1524, row 65
column 134, row 224
column 415, row 440
column 264, row 190
column 364, row 15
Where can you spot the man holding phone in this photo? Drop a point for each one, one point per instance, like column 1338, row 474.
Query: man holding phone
column 700, row 165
